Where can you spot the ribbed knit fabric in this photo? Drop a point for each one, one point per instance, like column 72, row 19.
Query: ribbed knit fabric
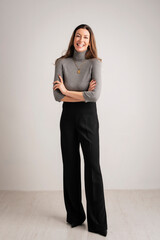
column 89, row 69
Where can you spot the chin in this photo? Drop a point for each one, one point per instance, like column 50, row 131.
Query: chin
column 81, row 50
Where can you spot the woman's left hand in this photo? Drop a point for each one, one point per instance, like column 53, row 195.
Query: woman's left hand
column 60, row 85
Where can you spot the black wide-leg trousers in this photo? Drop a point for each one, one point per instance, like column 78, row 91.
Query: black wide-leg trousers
column 79, row 124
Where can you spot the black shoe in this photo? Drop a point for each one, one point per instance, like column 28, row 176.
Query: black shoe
column 101, row 232
column 75, row 224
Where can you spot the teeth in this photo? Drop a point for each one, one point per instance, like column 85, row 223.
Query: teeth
column 80, row 45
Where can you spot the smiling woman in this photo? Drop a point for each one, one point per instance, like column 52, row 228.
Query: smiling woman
column 81, row 57
column 77, row 82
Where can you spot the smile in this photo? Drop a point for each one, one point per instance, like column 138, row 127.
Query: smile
column 80, row 45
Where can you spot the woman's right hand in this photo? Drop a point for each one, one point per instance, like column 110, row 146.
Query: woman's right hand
column 92, row 85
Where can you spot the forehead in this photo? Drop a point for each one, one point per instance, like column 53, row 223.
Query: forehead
column 82, row 31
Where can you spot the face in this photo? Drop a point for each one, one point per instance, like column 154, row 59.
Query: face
column 81, row 40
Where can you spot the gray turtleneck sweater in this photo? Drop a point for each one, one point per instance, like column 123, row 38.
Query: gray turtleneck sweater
column 89, row 69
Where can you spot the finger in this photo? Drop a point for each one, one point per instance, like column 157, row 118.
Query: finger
column 60, row 78
column 56, row 82
column 55, row 87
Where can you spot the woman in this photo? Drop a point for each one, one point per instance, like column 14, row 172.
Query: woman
column 77, row 82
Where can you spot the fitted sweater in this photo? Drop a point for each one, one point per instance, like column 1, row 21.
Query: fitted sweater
column 73, row 81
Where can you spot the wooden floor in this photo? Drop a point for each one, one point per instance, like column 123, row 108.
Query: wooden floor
column 132, row 215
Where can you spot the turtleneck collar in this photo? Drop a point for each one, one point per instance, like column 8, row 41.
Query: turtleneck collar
column 78, row 56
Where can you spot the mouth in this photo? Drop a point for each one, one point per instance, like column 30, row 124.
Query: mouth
column 80, row 45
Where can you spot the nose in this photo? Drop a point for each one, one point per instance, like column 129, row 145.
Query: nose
column 80, row 40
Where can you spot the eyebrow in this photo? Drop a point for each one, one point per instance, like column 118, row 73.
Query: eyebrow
column 84, row 35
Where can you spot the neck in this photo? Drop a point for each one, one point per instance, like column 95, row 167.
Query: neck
column 78, row 56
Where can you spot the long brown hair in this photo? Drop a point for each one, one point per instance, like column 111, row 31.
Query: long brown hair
column 92, row 49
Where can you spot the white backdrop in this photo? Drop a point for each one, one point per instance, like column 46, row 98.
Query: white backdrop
column 33, row 35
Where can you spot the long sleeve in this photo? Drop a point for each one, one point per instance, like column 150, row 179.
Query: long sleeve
column 92, row 96
column 58, row 71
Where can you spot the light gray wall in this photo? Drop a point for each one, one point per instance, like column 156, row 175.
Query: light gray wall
column 33, row 35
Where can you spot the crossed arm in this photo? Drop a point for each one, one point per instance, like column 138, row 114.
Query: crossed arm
column 71, row 99
column 63, row 94
column 72, row 96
